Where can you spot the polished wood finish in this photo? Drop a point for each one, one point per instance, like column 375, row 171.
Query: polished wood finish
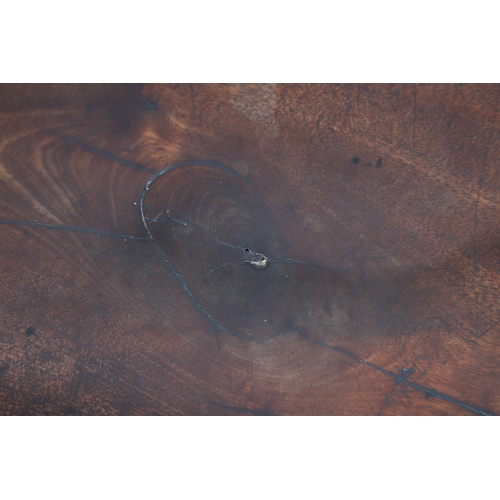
column 133, row 219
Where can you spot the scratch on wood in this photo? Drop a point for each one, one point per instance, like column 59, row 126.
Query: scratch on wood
column 75, row 229
column 429, row 392
column 106, row 155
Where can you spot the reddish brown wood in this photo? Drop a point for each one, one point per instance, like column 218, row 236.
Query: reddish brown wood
column 375, row 205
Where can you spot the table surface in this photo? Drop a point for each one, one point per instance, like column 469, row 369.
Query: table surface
column 249, row 249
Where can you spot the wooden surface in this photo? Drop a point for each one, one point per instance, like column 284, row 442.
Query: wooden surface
column 131, row 215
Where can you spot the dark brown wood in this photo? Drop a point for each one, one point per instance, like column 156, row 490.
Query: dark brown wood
column 249, row 249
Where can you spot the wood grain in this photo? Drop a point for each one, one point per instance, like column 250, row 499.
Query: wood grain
column 130, row 214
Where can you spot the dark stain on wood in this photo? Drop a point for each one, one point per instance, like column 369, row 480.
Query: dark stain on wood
column 30, row 331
